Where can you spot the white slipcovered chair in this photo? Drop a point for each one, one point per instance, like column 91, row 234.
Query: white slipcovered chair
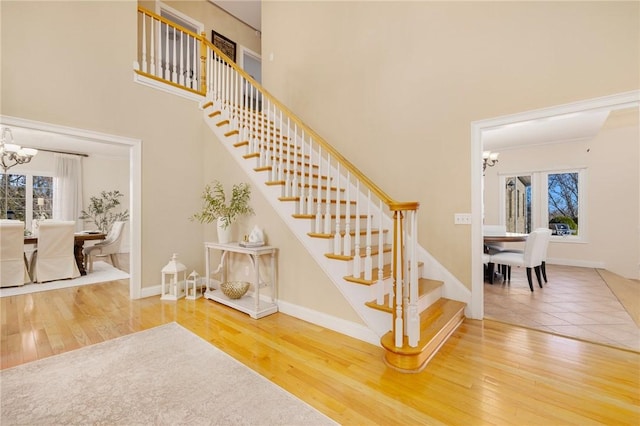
column 54, row 258
column 543, row 265
column 109, row 247
column 530, row 258
column 13, row 262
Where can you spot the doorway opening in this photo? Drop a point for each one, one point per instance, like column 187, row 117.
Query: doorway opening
column 90, row 140
column 478, row 128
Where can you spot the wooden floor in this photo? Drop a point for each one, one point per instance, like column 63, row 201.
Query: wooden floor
column 487, row 373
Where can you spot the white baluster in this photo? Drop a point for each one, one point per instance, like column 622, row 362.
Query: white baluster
column 414, row 316
column 309, row 189
column 357, row 271
column 318, row 228
column 346, row 246
column 144, row 43
column 399, row 325
column 181, row 77
column 368, row 264
column 295, row 190
column 381, row 289
column 292, row 167
column 152, row 48
column 174, row 74
column 327, row 202
column 337, row 238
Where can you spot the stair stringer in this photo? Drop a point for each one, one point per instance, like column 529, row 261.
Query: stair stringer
column 378, row 322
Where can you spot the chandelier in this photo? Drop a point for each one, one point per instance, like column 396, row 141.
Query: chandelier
column 489, row 159
column 12, row 155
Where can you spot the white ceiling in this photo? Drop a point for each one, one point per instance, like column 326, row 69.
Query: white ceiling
column 560, row 128
column 38, row 139
column 248, row 11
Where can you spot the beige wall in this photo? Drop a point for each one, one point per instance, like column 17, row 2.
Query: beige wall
column 612, row 193
column 82, row 77
column 70, row 64
column 395, row 85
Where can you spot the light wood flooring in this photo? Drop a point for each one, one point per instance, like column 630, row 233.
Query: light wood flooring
column 487, row 373
column 575, row 302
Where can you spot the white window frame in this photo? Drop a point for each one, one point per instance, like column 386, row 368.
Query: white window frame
column 28, row 193
column 540, row 200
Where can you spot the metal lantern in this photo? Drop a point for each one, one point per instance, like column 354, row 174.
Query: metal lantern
column 174, row 277
column 193, row 288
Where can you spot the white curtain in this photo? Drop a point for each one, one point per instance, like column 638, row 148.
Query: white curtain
column 67, row 189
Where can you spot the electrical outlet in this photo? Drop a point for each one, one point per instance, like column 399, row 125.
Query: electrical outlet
column 462, row 218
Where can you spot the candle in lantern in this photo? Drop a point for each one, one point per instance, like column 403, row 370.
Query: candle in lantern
column 41, row 201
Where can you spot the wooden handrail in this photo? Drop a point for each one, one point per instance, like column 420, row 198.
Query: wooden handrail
column 386, row 199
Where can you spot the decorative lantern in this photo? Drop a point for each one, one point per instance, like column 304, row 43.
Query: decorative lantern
column 174, row 277
column 193, row 288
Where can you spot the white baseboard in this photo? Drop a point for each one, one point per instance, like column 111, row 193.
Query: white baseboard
column 577, row 262
column 351, row 329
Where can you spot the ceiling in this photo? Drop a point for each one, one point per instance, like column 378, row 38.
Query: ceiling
column 247, row 11
column 559, row 128
column 562, row 128
column 40, row 139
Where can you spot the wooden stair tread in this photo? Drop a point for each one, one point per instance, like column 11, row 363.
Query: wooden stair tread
column 374, row 252
column 425, row 286
column 437, row 323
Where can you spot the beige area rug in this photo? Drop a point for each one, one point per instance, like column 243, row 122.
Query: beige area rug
column 626, row 291
column 102, row 272
column 162, row 376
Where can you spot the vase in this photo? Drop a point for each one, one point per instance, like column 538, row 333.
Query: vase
column 224, row 234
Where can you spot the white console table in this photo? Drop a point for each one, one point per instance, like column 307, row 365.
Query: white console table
column 250, row 304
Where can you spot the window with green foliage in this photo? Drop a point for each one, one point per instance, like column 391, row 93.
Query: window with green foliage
column 22, row 195
column 541, row 199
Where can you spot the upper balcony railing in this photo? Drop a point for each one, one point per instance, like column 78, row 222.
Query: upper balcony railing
column 324, row 184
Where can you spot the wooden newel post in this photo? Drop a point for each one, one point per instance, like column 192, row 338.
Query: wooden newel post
column 203, row 63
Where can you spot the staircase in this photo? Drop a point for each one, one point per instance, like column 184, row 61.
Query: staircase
column 439, row 317
column 364, row 240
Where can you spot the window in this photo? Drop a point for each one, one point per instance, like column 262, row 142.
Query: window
column 553, row 199
column 27, row 196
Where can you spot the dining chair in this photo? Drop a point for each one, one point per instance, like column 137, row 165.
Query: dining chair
column 530, row 258
column 109, row 247
column 13, row 262
column 54, row 257
column 543, row 265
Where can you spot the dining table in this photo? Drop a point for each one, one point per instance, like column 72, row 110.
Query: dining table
column 78, row 245
column 507, row 237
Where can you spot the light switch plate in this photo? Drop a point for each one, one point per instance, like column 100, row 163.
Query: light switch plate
column 462, row 218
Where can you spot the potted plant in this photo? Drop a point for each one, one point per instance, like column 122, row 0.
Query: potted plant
column 215, row 207
column 100, row 210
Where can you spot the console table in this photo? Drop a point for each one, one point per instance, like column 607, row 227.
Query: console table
column 251, row 303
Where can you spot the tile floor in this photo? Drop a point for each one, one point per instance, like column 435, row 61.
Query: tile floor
column 576, row 302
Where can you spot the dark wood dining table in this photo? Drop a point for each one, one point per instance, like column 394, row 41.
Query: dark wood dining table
column 78, row 245
column 507, row 237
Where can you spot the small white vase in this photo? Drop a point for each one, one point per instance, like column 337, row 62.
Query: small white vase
column 224, row 234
